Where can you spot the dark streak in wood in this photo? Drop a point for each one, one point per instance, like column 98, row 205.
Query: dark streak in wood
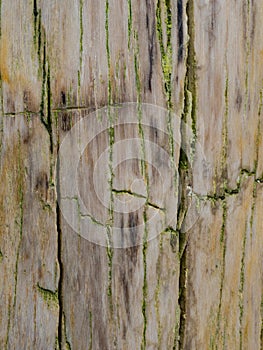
column 63, row 98
column 238, row 100
column 133, row 223
column 65, row 120
column 42, row 185
column 180, row 30
column 151, row 41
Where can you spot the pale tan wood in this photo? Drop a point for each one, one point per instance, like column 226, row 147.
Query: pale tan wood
column 197, row 284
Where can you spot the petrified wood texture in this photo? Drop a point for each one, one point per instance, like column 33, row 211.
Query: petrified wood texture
column 70, row 278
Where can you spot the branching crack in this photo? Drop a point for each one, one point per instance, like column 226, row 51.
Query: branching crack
column 244, row 173
column 137, row 195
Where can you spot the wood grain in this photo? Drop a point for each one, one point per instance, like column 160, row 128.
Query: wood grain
column 198, row 282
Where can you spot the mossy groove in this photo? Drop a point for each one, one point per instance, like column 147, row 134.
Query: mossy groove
column 137, row 195
column 223, row 249
column 129, row 22
column 144, row 172
column 46, row 101
column 227, row 191
column 189, row 112
column 107, row 11
column 51, row 297
column 166, row 50
column 190, row 85
column 81, row 31
column 111, row 134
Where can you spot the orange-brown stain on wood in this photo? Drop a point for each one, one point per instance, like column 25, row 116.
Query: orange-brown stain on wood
column 4, row 54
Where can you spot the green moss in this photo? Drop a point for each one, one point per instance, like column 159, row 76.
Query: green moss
column 80, row 45
column 81, row 215
column 81, row 32
column 49, row 296
column 57, row 344
column 166, row 50
column 129, row 23
column 223, row 248
column 136, row 69
column 108, row 51
column 111, row 135
column 46, row 206
column 146, row 178
column 46, row 98
column 174, row 237
column 137, row 195
column 67, row 342
column 177, row 328
column 68, row 346
column 190, row 86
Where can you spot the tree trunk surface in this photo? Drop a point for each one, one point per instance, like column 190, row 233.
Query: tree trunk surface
column 131, row 194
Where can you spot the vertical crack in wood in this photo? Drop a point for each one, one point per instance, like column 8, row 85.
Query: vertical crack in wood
column 129, row 22
column 165, row 47
column 151, row 33
column 146, row 179
column 223, row 248
column 80, row 47
column 111, row 135
column 35, row 15
column 224, row 151
column 59, row 257
column 45, row 106
column 190, row 103
column 180, row 31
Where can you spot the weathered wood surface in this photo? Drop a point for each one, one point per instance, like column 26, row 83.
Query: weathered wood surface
column 198, row 284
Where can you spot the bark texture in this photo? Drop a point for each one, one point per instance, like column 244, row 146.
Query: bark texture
column 191, row 287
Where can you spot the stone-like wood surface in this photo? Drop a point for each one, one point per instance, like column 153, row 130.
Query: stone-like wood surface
column 198, row 283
